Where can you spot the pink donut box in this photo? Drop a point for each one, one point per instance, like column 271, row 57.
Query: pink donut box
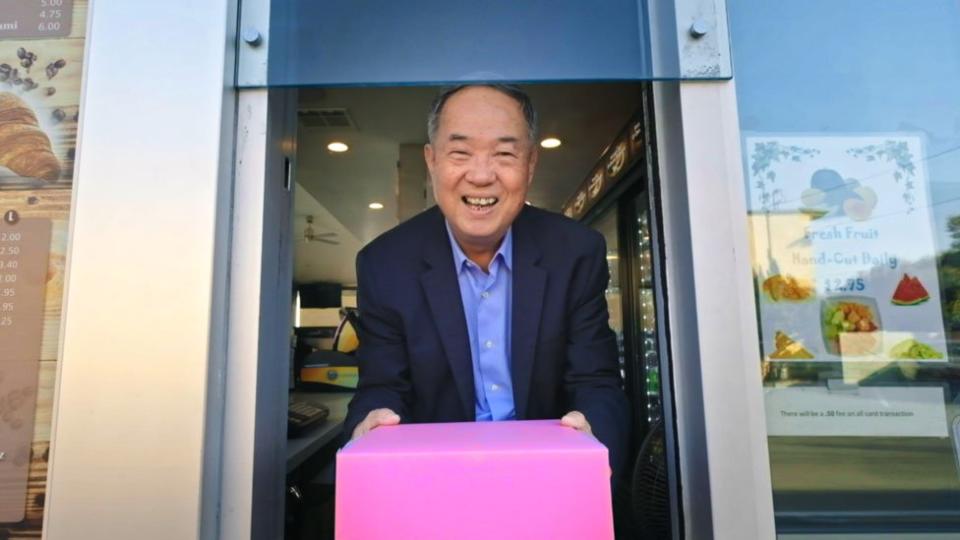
column 516, row 479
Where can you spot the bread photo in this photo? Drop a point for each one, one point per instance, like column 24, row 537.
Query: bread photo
column 24, row 148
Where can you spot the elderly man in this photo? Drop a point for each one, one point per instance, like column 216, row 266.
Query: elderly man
column 485, row 308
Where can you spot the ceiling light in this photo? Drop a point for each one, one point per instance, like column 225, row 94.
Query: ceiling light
column 337, row 146
column 550, row 142
column 375, row 206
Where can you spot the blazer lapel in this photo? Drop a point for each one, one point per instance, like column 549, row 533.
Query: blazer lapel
column 529, row 283
column 442, row 290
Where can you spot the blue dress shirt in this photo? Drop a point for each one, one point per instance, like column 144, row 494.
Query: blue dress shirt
column 486, row 304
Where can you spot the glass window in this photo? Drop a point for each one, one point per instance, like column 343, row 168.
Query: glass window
column 607, row 226
column 850, row 119
column 647, row 308
column 383, row 43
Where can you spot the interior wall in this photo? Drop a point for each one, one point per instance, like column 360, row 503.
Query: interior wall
column 412, row 182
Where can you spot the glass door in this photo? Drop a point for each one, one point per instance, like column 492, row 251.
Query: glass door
column 606, row 225
column 646, row 510
column 653, row 485
column 648, row 355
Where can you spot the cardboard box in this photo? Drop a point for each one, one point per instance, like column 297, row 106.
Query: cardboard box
column 522, row 479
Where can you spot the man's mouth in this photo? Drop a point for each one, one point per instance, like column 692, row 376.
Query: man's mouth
column 480, row 203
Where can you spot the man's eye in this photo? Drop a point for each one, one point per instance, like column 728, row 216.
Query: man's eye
column 506, row 154
column 459, row 154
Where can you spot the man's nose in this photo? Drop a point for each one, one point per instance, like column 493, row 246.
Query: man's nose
column 481, row 171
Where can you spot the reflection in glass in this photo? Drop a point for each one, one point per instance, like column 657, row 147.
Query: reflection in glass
column 607, row 226
column 648, row 322
column 853, row 185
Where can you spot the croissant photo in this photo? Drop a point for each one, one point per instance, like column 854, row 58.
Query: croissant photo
column 24, row 148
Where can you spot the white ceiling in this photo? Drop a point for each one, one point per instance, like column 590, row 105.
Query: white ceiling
column 586, row 117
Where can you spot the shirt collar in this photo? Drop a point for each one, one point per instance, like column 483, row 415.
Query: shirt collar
column 505, row 253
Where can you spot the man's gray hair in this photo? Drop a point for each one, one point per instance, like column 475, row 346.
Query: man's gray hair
column 529, row 113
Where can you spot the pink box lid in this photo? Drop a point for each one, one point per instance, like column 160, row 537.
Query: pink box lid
column 490, row 437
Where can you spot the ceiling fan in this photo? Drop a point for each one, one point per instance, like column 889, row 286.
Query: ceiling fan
column 309, row 235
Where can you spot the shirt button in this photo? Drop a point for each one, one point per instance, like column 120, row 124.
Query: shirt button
column 488, row 344
column 485, row 294
column 494, row 387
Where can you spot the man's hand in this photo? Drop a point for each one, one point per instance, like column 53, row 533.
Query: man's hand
column 577, row 421
column 375, row 418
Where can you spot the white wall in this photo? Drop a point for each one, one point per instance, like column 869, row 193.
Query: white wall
column 142, row 348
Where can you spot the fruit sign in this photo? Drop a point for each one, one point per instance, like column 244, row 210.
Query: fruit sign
column 843, row 248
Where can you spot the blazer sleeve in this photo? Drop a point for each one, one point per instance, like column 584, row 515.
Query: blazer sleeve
column 592, row 376
column 382, row 357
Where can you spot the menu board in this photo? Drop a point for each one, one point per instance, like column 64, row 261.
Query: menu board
column 35, row 18
column 41, row 57
column 24, row 249
column 843, row 249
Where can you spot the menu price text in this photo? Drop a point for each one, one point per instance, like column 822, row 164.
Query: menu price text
column 24, row 253
column 35, row 18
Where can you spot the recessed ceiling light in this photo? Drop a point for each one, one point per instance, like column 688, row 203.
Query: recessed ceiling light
column 375, row 206
column 337, row 146
column 550, row 142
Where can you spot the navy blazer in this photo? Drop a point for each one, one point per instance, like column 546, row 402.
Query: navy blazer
column 414, row 353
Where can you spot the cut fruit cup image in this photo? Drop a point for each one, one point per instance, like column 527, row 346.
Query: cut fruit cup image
column 850, row 325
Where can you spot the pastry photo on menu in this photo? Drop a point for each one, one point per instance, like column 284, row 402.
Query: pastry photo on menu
column 25, row 149
column 787, row 288
column 788, row 348
column 38, row 113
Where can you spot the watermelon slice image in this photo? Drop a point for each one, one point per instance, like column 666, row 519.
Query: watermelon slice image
column 910, row 292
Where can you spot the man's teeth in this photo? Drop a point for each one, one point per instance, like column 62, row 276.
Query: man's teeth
column 480, row 201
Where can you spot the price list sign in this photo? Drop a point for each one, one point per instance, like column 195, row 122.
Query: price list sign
column 35, row 18
column 24, row 253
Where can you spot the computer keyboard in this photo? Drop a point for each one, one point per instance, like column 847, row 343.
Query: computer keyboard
column 304, row 415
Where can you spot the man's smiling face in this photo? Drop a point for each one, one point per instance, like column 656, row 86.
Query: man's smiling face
column 481, row 162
